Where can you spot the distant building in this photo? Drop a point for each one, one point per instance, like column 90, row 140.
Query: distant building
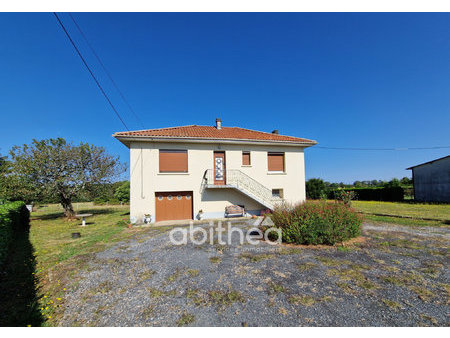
column 432, row 180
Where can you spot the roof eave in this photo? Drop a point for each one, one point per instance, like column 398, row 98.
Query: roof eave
column 425, row 163
column 126, row 140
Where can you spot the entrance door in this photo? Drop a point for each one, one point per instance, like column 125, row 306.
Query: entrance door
column 173, row 205
column 219, row 168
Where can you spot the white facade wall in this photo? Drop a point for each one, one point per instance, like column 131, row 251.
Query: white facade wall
column 146, row 180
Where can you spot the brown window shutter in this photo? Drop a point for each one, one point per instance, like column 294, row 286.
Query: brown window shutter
column 275, row 161
column 245, row 158
column 173, row 161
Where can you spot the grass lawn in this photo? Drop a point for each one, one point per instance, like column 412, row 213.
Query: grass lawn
column 440, row 213
column 45, row 261
column 50, row 232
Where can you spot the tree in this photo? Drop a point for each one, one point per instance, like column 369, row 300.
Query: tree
column 3, row 165
column 56, row 167
column 357, row 184
column 122, row 192
column 11, row 187
column 315, row 188
column 2, row 162
column 392, row 183
column 406, row 181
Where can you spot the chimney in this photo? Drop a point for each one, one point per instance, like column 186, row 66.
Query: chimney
column 218, row 123
column 275, row 131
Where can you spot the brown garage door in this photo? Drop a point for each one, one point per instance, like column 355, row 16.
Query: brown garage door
column 173, row 205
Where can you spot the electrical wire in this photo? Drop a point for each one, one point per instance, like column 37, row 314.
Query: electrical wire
column 90, row 71
column 106, row 71
column 383, row 149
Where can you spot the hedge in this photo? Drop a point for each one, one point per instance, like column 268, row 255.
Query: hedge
column 387, row 194
column 14, row 218
column 317, row 222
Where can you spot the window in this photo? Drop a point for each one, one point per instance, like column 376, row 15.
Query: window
column 246, row 158
column 277, row 193
column 275, row 162
column 173, row 161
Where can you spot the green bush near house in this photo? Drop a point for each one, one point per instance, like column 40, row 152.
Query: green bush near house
column 317, row 222
column 14, row 218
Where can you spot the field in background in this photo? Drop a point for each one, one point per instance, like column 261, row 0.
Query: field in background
column 414, row 214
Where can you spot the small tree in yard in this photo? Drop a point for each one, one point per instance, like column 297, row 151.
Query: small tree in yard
column 56, row 167
column 345, row 196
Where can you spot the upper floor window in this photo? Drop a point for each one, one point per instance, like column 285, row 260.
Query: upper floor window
column 246, row 158
column 275, row 162
column 173, row 161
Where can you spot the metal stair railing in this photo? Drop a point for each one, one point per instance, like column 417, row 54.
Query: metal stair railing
column 241, row 181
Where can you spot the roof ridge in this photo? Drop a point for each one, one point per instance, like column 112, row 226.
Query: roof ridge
column 167, row 128
column 258, row 131
column 266, row 132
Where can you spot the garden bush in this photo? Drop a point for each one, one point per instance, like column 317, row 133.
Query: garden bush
column 14, row 217
column 317, row 222
column 387, row 194
column 122, row 192
column 109, row 201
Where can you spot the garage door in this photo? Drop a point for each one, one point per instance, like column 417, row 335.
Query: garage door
column 173, row 205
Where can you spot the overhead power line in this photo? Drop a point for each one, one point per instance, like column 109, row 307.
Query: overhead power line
column 106, row 71
column 384, row 149
column 90, row 71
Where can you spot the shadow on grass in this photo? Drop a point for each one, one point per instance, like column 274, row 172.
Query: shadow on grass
column 19, row 301
column 59, row 214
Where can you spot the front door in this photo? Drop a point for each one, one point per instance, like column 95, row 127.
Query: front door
column 219, row 168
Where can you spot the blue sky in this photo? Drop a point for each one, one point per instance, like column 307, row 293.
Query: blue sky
column 345, row 80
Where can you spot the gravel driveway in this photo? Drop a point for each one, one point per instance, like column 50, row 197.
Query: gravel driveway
column 391, row 276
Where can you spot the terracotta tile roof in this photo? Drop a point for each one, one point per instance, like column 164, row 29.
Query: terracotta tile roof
column 210, row 132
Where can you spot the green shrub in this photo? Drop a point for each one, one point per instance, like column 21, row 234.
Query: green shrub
column 14, row 217
column 387, row 194
column 315, row 188
column 100, row 201
column 317, row 222
column 122, row 192
column 345, row 196
column 106, row 201
column 113, row 201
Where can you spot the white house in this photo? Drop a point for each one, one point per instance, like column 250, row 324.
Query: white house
column 181, row 172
